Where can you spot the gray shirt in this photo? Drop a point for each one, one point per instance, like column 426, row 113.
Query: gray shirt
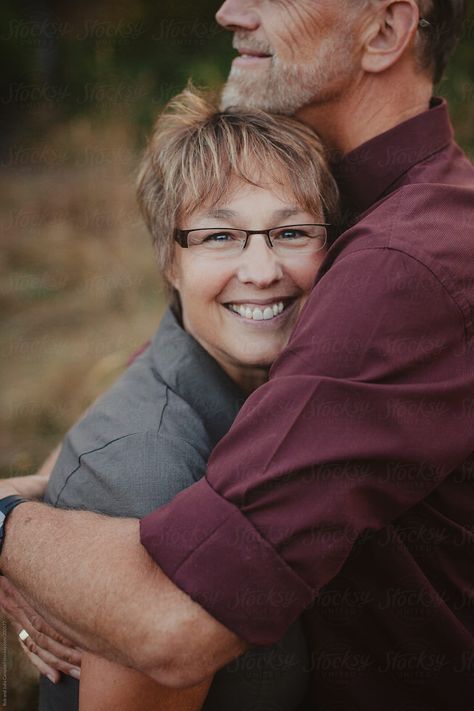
column 151, row 434
column 139, row 445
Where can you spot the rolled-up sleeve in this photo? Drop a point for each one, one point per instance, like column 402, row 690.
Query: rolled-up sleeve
column 363, row 417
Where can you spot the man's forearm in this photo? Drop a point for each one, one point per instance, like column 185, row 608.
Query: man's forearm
column 92, row 579
column 64, row 562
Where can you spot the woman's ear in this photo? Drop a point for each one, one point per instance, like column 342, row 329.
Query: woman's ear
column 172, row 272
column 389, row 34
column 172, row 279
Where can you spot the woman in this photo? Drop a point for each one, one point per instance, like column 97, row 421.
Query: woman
column 236, row 203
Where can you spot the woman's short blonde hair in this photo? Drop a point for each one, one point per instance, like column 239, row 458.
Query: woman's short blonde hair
column 196, row 150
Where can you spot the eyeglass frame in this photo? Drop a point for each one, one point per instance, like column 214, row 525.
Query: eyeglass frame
column 181, row 236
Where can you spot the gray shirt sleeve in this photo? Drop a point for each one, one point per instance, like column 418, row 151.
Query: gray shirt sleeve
column 129, row 476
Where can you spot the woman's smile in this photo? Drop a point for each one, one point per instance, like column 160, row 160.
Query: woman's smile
column 269, row 310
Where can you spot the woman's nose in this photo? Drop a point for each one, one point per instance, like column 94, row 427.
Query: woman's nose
column 258, row 263
column 237, row 15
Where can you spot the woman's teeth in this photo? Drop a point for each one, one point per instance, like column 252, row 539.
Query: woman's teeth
column 258, row 314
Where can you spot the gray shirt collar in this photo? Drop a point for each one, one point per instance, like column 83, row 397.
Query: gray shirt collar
column 194, row 375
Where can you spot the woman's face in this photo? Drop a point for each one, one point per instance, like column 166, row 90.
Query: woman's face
column 224, row 299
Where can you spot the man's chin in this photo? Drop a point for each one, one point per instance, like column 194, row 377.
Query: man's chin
column 236, row 94
column 263, row 93
column 252, row 95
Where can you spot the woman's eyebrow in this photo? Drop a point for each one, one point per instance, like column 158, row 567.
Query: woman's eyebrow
column 221, row 213
column 287, row 212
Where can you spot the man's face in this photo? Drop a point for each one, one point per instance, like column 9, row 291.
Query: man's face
column 292, row 52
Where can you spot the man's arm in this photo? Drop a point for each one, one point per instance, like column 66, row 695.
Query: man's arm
column 367, row 413
column 108, row 595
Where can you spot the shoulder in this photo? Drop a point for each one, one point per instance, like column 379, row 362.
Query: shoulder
column 129, row 476
column 427, row 229
column 139, row 402
column 137, row 446
column 378, row 309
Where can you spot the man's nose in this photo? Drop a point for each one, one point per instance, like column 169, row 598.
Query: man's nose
column 237, row 15
column 258, row 263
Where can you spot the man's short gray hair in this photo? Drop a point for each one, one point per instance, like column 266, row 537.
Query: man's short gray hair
column 439, row 39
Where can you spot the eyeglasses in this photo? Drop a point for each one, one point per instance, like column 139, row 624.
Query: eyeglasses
column 424, row 24
column 224, row 241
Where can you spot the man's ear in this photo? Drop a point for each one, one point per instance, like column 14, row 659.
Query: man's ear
column 388, row 35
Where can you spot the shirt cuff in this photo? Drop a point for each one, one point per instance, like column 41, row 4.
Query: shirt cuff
column 210, row 550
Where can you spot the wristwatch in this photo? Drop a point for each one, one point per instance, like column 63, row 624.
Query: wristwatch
column 7, row 505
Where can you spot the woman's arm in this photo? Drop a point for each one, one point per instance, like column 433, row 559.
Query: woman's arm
column 33, row 486
column 106, row 685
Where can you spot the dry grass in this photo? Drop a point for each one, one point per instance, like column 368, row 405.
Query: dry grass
column 79, row 287
column 79, row 293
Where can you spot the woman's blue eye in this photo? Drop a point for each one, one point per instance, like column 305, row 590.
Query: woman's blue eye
column 218, row 237
column 291, row 234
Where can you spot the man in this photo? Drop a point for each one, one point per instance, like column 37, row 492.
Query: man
column 342, row 490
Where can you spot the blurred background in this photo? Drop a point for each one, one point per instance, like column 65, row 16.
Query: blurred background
column 81, row 84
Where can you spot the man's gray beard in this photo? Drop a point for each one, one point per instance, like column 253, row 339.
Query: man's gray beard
column 285, row 88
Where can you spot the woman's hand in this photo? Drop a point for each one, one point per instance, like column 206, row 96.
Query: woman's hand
column 48, row 651
column 32, row 486
column 29, row 487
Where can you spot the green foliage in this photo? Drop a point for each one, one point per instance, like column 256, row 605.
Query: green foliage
column 458, row 86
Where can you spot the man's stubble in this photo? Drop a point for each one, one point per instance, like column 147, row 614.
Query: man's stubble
column 285, row 88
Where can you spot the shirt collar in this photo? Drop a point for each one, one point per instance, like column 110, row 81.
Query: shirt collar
column 195, row 376
column 369, row 172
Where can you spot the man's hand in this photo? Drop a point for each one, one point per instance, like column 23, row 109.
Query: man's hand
column 92, row 580
column 48, row 651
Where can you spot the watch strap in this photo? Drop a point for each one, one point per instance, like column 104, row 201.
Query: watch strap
column 7, row 504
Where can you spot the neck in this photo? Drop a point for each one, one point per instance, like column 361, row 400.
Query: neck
column 248, row 379
column 373, row 105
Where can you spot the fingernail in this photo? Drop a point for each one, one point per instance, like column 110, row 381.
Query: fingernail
column 76, row 673
column 51, row 678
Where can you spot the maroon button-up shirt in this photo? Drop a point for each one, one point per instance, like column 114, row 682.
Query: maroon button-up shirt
column 344, row 490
